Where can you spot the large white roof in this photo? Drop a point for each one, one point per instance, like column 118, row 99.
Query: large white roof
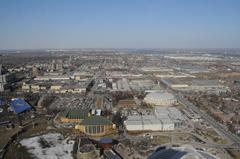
column 160, row 95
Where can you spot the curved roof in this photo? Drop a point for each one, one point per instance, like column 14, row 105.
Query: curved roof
column 183, row 152
column 160, row 95
column 106, row 140
column 96, row 120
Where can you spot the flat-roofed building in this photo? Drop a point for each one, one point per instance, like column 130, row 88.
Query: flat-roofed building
column 196, row 85
column 164, row 119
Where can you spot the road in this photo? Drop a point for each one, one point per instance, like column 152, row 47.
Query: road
column 209, row 119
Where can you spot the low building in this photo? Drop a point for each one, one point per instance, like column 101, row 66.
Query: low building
column 80, row 76
column 19, row 105
column 70, row 87
column 96, row 126
column 56, row 88
column 86, row 149
column 34, row 87
column 122, row 85
column 164, row 119
column 74, row 115
column 156, row 69
column 196, row 85
column 52, row 78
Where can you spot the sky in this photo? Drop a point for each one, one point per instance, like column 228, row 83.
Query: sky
column 42, row 24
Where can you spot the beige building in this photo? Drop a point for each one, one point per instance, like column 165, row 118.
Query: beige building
column 33, row 87
column 96, row 126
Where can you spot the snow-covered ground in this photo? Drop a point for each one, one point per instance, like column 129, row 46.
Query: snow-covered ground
column 50, row 146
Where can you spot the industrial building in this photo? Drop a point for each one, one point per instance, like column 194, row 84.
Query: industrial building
column 164, row 119
column 96, row 126
column 171, row 113
column 160, row 98
column 34, row 87
column 196, row 85
column 156, row 69
column 142, row 84
column 81, row 76
column 174, row 75
column 122, row 85
column 52, row 78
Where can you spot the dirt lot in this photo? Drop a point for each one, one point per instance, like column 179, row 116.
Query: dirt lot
column 234, row 153
column 15, row 150
column 6, row 134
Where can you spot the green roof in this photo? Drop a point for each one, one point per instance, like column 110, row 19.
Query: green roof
column 96, row 120
column 76, row 113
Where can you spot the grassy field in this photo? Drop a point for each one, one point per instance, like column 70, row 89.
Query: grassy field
column 215, row 137
column 161, row 140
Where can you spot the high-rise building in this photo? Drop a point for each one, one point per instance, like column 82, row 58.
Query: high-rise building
column 6, row 79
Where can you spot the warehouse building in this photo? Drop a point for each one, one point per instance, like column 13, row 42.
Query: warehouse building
column 164, row 119
column 142, row 84
column 171, row 113
column 208, row 86
column 160, row 98
column 148, row 123
column 96, row 126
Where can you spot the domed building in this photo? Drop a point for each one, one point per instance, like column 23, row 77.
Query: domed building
column 160, row 99
column 182, row 152
column 96, row 126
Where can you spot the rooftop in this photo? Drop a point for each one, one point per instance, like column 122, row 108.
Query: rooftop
column 96, row 120
column 76, row 113
column 19, row 105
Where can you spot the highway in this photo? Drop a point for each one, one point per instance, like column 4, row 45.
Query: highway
column 209, row 119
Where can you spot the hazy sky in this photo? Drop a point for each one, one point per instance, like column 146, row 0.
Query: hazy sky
column 27, row 24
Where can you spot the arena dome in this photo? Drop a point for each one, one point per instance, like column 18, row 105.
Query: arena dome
column 160, row 99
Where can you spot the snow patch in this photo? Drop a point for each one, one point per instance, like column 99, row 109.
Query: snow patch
column 51, row 146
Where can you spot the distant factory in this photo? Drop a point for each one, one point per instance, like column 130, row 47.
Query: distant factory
column 208, row 86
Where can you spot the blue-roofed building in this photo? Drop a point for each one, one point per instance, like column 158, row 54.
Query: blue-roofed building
column 19, row 105
column 2, row 102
